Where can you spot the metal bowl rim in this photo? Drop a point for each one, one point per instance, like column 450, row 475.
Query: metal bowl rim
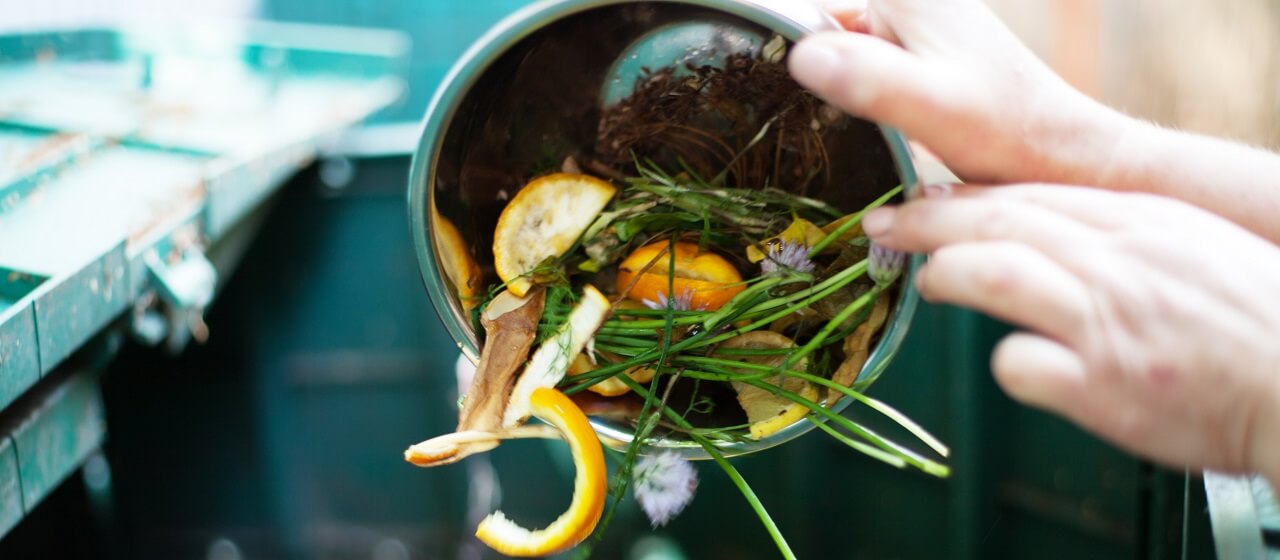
column 528, row 20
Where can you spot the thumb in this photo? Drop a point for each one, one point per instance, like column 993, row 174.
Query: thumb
column 879, row 81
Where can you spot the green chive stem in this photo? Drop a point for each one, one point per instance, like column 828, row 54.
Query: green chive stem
column 855, row 220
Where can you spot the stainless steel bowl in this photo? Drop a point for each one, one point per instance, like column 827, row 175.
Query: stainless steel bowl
column 541, row 77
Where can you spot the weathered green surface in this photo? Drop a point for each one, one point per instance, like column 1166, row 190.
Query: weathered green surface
column 29, row 158
column 236, row 186
column 10, row 486
column 118, row 195
column 76, row 308
column 58, row 433
column 77, row 232
column 114, row 142
column 19, row 352
column 19, row 358
column 123, row 147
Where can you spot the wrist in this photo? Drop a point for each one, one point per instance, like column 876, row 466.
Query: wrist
column 1091, row 144
column 1135, row 157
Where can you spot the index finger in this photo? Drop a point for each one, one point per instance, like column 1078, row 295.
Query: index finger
column 924, row 226
column 1097, row 207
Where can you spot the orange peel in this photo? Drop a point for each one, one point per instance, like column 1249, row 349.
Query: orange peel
column 459, row 266
column 590, row 487
column 709, row 280
column 611, row 387
column 543, row 220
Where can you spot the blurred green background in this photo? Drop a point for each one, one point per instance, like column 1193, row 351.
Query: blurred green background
column 281, row 437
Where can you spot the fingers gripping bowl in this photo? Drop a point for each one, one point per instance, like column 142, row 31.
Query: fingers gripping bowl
column 551, row 89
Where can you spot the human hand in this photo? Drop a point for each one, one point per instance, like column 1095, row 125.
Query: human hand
column 1149, row 322
column 950, row 75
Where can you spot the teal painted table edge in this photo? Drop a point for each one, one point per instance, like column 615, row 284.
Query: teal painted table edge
column 55, row 302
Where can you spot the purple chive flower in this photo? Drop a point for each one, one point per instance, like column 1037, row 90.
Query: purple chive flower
column 885, row 265
column 787, row 255
column 664, row 484
column 684, row 302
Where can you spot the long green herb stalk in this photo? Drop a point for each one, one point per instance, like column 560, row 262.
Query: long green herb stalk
column 738, row 150
column 832, row 282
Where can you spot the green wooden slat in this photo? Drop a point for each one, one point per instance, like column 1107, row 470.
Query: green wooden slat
column 236, row 187
column 19, row 352
column 19, row 356
column 77, row 308
column 60, row 432
column 32, row 157
column 10, row 487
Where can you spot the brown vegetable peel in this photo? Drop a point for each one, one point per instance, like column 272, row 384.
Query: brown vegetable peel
column 497, row 404
column 451, row 448
column 510, row 325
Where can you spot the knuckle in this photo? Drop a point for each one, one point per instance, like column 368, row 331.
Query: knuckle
column 850, row 90
column 999, row 274
column 995, row 222
column 867, row 96
column 943, row 260
column 998, row 277
column 972, row 273
column 912, row 219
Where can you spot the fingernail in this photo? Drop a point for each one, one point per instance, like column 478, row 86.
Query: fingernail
column 812, row 61
column 878, row 222
column 939, row 190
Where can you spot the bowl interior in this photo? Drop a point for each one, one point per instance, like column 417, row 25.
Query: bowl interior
column 532, row 92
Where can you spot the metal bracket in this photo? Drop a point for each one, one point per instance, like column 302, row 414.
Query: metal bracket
column 185, row 289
